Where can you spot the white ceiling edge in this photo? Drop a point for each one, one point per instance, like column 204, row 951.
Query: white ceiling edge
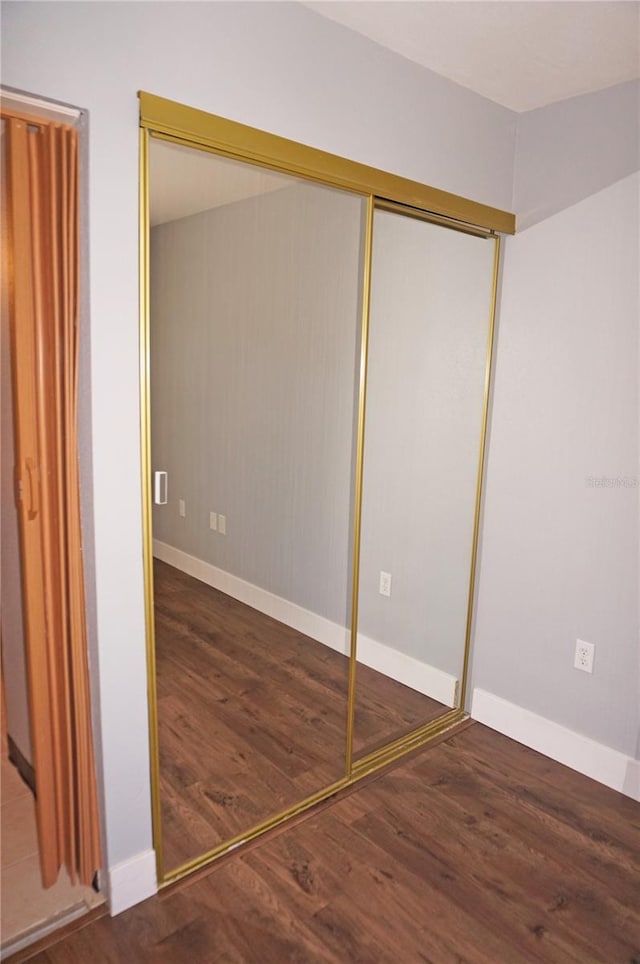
column 521, row 54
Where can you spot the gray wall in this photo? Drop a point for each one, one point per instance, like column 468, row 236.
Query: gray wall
column 255, row 321
column 559, row 557
column 570, row 150
column 428, row 339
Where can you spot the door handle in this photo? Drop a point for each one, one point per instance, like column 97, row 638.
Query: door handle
column 160, row 488
column 33, row 505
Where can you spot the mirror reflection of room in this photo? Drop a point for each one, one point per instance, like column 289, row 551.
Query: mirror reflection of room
column 430, row 311
column 254, row 331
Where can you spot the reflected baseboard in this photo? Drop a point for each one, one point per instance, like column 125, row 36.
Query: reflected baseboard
column 423, row 677
column 419, row 676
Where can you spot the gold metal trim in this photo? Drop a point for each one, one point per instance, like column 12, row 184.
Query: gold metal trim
column 481, row 469
column 239, row 140
column 415, row 738
column 419, row 215
column 147, row 530
column 357, row 511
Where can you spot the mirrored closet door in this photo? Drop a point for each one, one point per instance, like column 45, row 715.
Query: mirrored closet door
column 315, row 362
column 255, row 312
column 429, row 339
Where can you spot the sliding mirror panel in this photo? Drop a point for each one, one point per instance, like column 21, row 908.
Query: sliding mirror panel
column 431, row 307
column 256, row 282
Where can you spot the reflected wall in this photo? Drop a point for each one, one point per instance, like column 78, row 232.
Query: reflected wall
column 429, row 328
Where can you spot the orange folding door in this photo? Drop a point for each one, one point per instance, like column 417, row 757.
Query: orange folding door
column 42, row 188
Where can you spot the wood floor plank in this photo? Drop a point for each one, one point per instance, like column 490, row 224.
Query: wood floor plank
column 445, row 857
column 401, row 896
column 252, row 714
column 374, row 724
column 525, row 889
column 529, row 811
column 616, row 812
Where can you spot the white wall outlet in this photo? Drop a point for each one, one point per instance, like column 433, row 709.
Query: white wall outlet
column 584, row 654
column 222, row 524
column 385, row 583
column 213, row 520
column 182, row 508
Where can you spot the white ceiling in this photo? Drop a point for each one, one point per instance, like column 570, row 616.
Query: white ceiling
column 520, row 53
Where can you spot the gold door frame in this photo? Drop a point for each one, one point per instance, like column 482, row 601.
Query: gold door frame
column 189, row 127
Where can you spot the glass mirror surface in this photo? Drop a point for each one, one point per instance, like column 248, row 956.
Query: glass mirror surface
column 429, row 325
column 255, row 318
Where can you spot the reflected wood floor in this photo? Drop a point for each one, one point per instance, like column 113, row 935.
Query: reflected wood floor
column 252, row 714
column 474, row 851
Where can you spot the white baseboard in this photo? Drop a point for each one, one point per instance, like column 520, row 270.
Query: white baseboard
column 601, row 763
column 302, row 620
column 132, row 881
column 422, row 677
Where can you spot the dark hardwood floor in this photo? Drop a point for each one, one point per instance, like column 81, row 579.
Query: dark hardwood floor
column 252, row 714
column 476, row 850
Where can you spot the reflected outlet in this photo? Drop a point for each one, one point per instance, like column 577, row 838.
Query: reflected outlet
column 385, row 583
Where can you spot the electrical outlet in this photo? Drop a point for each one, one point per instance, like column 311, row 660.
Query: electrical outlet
column 584, row 654
column 182, row 508
column 222, row 524
column 213, row 520
column 385, row 583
